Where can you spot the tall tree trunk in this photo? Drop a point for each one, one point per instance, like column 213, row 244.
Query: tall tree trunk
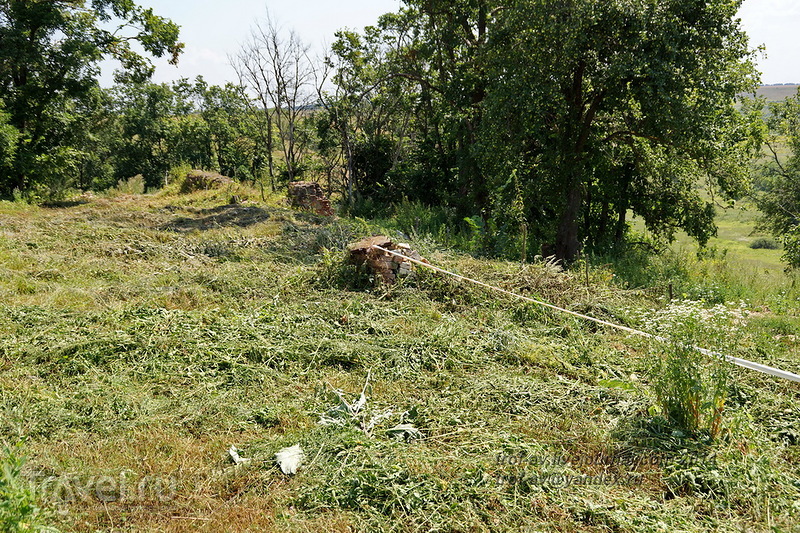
column 602, row 230
column 623, row 204
column 567, row 244
column 619, row 233
column 270, row 162
column 350, row 170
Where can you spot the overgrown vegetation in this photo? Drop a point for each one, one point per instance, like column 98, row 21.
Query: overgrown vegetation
column 778, row 176
column 51, row 108
column 434, row 104
column 764, row 243
column 142, row 336
column 690, row 386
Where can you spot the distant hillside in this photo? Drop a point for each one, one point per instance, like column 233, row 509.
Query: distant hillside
column 775, row 93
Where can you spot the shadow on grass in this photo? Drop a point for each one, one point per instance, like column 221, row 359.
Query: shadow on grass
column 64, row 204
column 222, row 216
column 657, row 434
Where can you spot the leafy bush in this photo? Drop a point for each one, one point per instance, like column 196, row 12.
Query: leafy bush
column 764, row 243
column 56, row 171
column 18, row 510
column 417, row 219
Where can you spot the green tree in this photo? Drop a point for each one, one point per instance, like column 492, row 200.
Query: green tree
column 435, row 67
column 779, row 184
column 8, row 143
column 49, row 51
column 596, row 109
column 161, row 126
column 234, row 130
column 448, row 63
column 274, row 67
column 94, row 133
column 618, row 105
column 145, row 112
column 369, row 112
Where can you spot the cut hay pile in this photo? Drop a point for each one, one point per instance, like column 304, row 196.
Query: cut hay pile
column 200, row 180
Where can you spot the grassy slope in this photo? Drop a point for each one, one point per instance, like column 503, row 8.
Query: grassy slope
column 143, row 336
column 735, row 232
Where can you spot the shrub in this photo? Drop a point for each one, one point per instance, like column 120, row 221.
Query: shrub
column 18, row 510
column 764, row 243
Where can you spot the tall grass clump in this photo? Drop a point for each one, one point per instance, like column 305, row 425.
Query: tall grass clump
column 691, row 387
column 644, row 265
column 709, row 274
column 132, row 185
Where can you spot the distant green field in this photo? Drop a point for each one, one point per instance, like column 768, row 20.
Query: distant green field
column 735, row 232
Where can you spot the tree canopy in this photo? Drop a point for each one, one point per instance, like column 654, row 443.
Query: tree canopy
column 778, row 194
column 49, row 52
column 575, row 112
column 540, row 125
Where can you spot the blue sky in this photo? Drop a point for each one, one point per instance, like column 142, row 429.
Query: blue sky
column 213, row 29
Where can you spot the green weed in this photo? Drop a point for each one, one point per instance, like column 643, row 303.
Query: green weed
column 19, row 512
column 691, row 389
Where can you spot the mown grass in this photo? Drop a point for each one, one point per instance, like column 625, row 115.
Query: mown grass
column 142, row 336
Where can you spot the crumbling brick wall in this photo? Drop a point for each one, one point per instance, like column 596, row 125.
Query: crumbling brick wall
column 309, row 195
column 388, row 267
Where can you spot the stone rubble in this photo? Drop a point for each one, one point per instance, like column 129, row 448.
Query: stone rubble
column 309, row 195
column 383, row 265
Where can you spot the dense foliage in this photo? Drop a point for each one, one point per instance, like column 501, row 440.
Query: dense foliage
column 557, row 116
column 779, row 194
column 535, row 125
column 158, row 127
column 49, row 52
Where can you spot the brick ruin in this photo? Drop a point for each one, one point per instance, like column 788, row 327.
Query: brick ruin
column 387, row 267
column 309, row 195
